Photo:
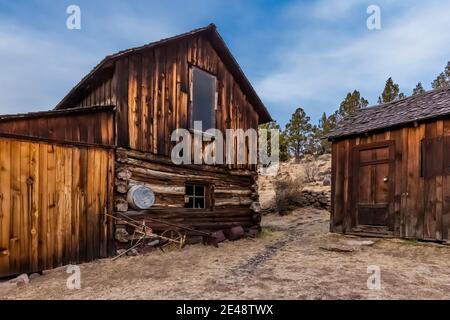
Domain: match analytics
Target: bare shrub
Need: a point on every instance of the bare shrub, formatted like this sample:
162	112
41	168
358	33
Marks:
287	192
311	171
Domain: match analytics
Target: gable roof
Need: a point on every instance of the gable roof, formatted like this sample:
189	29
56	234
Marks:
218	44
425	106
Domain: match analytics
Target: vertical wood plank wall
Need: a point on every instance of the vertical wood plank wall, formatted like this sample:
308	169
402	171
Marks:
151	90
94	126
421	204
52	204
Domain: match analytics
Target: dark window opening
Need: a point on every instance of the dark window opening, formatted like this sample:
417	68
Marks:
195	196
203	99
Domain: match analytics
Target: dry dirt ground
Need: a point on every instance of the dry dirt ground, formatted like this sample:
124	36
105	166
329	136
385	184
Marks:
287	262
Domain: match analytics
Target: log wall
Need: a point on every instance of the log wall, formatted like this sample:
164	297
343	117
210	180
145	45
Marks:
52	204
421	202
232	192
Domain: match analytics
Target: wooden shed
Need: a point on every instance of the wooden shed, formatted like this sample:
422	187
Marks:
64	171
391	169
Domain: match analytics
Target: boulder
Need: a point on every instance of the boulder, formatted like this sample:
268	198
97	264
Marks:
133	252
121	235
34	276
21	280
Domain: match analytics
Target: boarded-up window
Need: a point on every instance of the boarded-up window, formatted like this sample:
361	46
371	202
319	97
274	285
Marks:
435	157
203	97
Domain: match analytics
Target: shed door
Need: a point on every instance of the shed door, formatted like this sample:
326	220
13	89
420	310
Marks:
374	177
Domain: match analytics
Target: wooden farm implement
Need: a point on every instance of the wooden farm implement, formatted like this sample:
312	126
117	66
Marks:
172	238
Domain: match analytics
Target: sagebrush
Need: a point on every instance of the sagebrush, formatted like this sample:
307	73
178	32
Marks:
287	193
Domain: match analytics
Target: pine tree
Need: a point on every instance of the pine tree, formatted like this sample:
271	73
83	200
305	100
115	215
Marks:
443	79
284	152
313	142
440	82
297	131
283	148
352	102
326	125
391	92
418	89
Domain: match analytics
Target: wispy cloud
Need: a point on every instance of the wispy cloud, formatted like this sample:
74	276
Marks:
34	70
322	65
307	53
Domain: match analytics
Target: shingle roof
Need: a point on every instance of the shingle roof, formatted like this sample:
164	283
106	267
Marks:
431	104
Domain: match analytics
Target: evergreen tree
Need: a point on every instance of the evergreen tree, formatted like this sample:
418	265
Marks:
443	79
297	131
326	125
391	92
418	89
283	152
313	142
352	102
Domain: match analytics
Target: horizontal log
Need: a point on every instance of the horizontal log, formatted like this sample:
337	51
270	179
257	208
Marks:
243	192
125	155
170	167
233	201
180	181
185	212
164	189
201	226
166	173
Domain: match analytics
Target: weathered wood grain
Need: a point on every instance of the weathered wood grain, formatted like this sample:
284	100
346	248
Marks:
420	197
44	216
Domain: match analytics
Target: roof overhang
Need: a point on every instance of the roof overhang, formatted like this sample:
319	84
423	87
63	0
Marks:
217	42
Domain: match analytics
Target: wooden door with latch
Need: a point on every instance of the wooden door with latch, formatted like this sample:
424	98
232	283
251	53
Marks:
373	187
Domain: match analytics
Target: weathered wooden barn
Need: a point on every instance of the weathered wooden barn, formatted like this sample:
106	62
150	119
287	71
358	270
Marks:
64	172
391	169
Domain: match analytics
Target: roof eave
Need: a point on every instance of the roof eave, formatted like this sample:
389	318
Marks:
211	32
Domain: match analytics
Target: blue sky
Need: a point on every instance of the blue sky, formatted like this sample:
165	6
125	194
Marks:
295	53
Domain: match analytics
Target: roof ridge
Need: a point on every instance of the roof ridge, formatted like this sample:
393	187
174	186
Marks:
407	97
209	31
210	26
431	104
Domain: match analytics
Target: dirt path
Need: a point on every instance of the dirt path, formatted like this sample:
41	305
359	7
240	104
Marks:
287	262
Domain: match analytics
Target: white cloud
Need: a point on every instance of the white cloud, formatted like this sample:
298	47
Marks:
33	69
40	60
412	46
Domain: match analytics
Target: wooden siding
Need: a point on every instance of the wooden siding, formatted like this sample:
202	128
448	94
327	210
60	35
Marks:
154	94
52	204
421	204
151	90
101	94
232	193
94	127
